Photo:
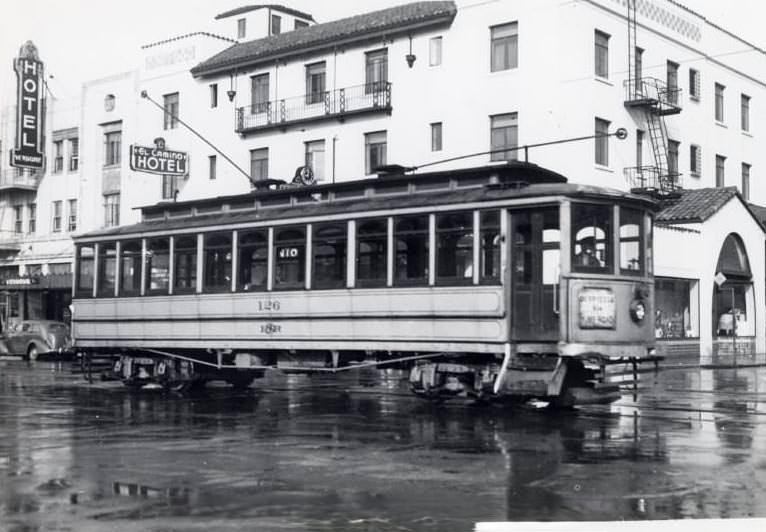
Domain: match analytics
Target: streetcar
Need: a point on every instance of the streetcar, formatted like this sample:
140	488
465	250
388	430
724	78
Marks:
495	283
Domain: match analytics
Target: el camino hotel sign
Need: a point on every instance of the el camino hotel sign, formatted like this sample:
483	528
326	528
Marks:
30	109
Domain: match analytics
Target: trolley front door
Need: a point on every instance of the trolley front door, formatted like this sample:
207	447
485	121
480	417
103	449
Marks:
535	240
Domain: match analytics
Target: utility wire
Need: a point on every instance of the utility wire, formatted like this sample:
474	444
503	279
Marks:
146	96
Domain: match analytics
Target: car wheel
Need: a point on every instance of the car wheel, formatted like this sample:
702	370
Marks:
32	352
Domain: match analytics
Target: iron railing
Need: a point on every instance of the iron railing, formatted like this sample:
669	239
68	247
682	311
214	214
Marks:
20	178
650	178
315	106
654	93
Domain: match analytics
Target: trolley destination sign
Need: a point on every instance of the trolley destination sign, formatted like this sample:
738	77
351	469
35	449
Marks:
156	160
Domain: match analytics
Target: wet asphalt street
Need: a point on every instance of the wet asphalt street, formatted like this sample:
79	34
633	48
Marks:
362	455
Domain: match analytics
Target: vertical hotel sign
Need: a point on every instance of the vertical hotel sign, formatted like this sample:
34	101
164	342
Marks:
30	109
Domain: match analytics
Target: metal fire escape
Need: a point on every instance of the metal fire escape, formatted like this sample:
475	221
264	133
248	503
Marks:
655	99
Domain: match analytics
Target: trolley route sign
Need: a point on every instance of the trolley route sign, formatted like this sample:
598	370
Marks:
157	160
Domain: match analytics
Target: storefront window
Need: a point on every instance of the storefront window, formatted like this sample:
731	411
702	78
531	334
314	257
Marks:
253	260
675	315
158	265
591	233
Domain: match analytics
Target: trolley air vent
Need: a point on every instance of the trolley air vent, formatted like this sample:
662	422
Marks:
507	185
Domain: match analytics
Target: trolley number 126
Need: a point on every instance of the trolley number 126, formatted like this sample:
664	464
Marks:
268	305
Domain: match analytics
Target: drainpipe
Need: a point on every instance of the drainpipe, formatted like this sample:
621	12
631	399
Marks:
334	139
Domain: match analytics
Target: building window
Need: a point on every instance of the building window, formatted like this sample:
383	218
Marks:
259	164
720	161
639	148
32	210
276	24
213	95
113	148
436	136
372	252
435	51
375	71
211	167
454	248
170	102
746	181
111	210
719	102
130	268
259	93
315	82
58	156
504	135
158	265
315	158
504	49
638	70
673	148
602	142
601	44
168	186
290	258
300	24
56	214
241	28
18	216
329	244
217	265
74	154
411	249
374	151
672	79
253	253
694	84
72	223
695	160
185	264
61	268
745	111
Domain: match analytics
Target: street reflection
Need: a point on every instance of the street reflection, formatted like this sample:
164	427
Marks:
337	454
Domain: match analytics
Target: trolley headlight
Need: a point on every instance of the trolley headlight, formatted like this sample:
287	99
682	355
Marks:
637	310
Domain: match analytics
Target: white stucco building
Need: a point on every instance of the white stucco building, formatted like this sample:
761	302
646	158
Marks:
274	91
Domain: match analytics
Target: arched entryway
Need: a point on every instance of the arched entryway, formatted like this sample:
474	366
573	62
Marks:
733	309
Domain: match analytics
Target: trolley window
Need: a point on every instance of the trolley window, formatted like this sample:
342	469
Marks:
253	253
185	262
130	268
631	241
489	225
158	265
372	252
217	265
107	263
591	233
290	258
454	248
329	243
411	244
84	276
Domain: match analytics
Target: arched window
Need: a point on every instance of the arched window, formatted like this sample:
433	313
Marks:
733	299
591	234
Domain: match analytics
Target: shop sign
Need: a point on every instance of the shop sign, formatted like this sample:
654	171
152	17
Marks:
30	108
719	279
19	281
158	160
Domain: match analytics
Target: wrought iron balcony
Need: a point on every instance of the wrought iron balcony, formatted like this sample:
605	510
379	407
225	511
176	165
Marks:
652	93
19	179
651	179
337	104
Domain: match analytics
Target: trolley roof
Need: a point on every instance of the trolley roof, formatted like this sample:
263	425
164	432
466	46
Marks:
393	190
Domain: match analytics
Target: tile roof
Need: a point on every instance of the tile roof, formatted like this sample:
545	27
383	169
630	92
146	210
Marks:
359	27
696	205
759	212
246	9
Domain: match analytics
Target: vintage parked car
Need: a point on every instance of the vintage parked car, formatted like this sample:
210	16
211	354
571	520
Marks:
32	338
